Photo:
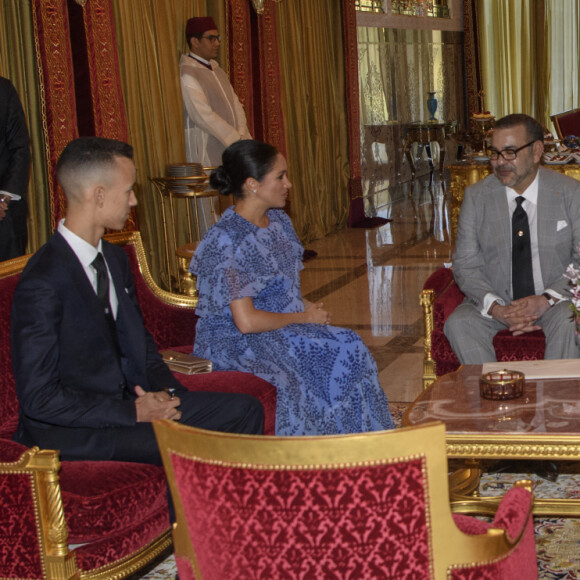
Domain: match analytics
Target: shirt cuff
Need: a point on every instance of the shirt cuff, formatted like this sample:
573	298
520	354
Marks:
556	295
488	300
12	196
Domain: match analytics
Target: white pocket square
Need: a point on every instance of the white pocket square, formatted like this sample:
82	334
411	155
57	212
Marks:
561	225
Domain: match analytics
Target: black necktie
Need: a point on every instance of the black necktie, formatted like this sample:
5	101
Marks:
103	292
522	272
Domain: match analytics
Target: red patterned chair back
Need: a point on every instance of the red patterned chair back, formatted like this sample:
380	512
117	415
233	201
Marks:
567	123
372	505
172	324
9	275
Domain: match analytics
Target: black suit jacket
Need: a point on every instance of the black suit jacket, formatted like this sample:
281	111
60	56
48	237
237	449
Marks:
14	170
69	379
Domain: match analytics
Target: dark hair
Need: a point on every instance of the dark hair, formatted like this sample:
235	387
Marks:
242	159
190	36
533	128
86	153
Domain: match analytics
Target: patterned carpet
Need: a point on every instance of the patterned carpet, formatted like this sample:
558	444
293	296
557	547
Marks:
557	539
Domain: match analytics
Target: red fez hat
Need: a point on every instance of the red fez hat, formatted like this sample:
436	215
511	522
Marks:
199	25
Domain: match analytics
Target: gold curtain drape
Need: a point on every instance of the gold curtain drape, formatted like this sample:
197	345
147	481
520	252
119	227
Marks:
529	54
509	57
562	49
150	40
18	63
313	102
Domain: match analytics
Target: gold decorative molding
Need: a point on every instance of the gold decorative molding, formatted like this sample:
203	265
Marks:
513	446
171	298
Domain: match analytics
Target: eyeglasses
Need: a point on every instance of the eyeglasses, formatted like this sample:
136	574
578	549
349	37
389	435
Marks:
213	38
508	154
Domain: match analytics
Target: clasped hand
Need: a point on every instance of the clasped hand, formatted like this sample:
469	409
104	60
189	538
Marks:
3	207
316	313
156	405
521	315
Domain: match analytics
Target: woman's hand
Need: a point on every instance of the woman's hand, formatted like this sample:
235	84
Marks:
250	320
315	313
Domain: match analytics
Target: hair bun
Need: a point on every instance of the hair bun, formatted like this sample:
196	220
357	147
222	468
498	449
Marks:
220	180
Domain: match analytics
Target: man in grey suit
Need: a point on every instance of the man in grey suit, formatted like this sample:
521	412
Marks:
482	260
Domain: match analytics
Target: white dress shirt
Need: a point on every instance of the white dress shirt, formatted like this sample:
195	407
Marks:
86	253
530	205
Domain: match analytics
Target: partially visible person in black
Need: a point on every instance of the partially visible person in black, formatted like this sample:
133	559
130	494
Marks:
14	173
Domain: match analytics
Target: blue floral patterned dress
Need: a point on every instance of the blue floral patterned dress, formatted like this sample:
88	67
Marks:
326	379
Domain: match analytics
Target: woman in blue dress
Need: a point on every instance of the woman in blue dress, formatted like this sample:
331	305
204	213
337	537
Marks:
252	316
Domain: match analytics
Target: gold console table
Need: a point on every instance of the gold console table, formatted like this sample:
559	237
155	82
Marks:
463	175
172	190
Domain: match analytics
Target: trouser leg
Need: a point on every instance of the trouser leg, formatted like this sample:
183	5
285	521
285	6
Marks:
228	412
231	413
559	328
471	334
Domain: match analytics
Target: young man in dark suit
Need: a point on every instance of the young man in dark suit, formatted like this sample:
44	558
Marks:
88	375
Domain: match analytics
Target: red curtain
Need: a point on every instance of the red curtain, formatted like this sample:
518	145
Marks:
55	72
254	69
80	84
472	68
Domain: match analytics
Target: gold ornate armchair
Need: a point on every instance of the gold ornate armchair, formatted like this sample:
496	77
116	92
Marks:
370	505
440	296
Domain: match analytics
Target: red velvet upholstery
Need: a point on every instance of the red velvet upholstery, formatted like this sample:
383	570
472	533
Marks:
234	382
8	401
106	497
117	511
567	123
19	549
511	516
360	522
169	325
446	297
364	506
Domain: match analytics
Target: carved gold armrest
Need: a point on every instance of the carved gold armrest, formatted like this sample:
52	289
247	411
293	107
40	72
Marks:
42	467
426	300
171	298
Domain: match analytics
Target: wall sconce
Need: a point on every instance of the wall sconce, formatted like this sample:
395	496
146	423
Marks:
259	5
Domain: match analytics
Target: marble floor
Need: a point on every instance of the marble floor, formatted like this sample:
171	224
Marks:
370	279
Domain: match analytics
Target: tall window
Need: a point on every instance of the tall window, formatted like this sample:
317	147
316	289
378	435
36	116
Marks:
369	5
530	59
431	8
